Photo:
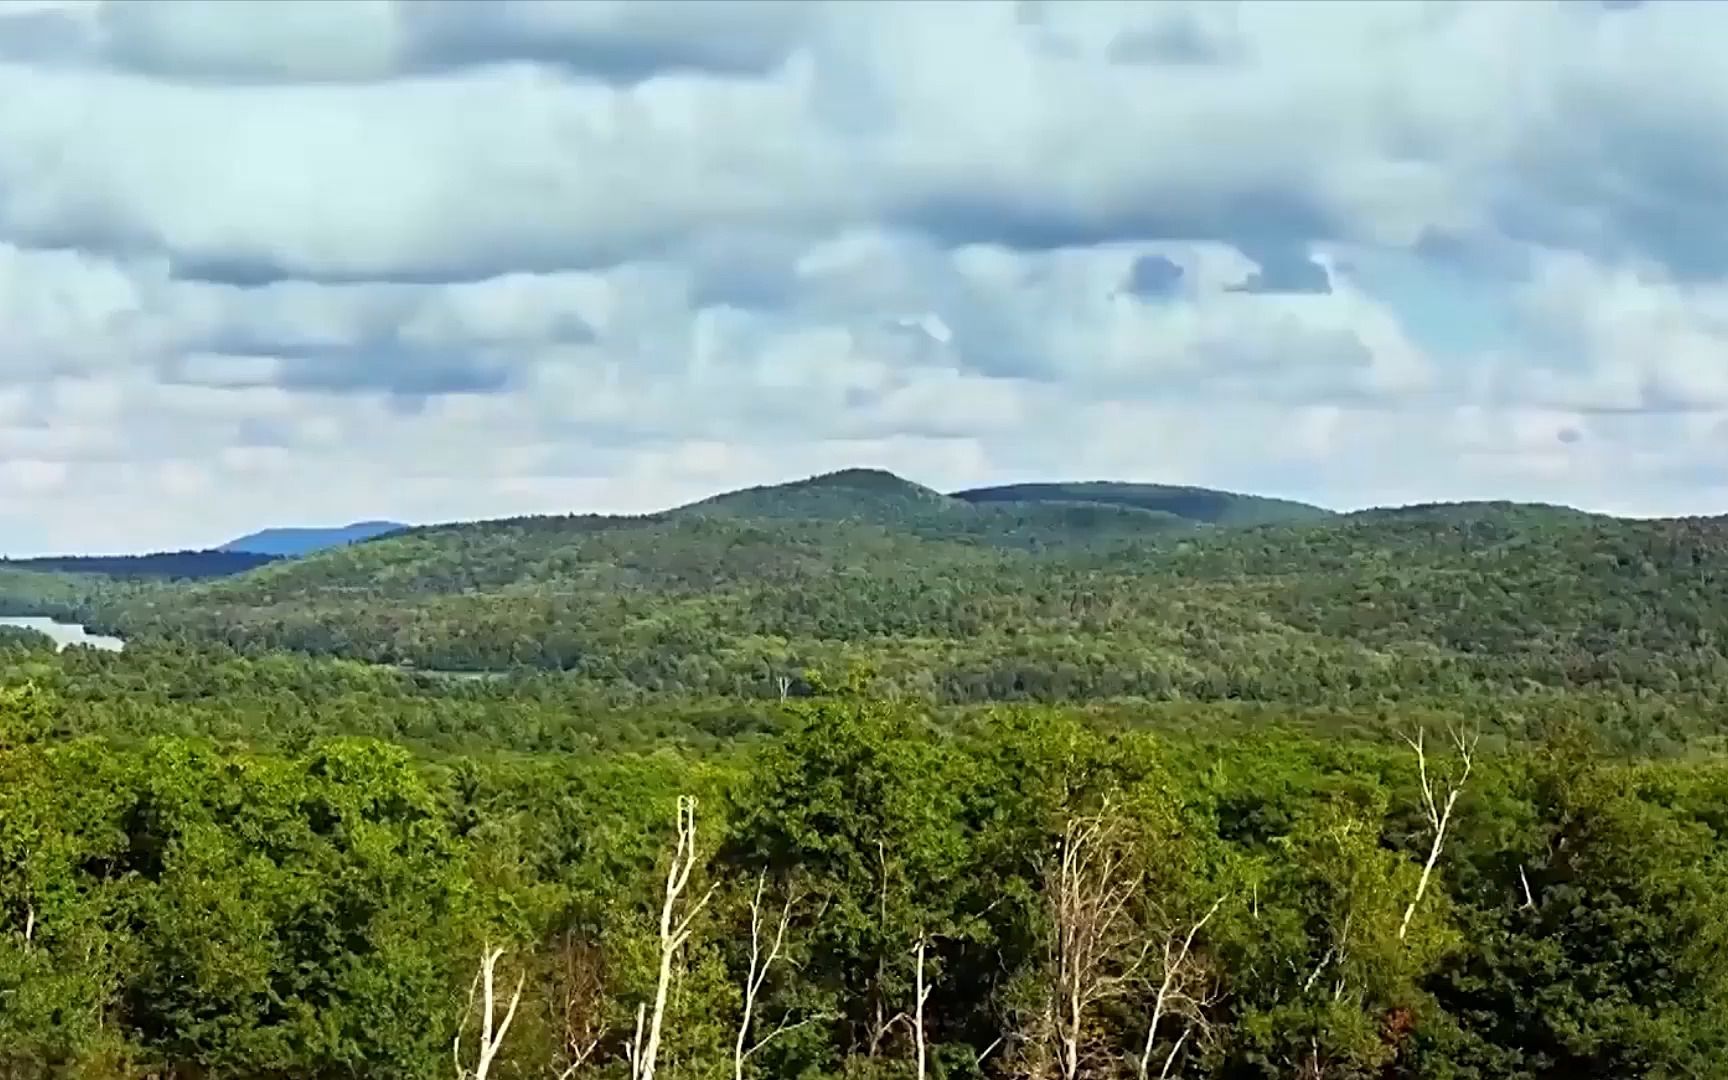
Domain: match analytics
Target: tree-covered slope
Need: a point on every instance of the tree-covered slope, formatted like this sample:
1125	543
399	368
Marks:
871	495
1195	504
1380	604
876	497
188	565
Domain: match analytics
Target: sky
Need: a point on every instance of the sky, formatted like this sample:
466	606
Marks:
265	262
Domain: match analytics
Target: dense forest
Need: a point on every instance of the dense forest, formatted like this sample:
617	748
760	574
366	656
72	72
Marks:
867	894
987	599
173	565
851	780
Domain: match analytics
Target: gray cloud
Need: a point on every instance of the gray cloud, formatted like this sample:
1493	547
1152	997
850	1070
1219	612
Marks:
40	36
526	169
622	42
1154	277
1033	223
1283	270
1180	38
384	364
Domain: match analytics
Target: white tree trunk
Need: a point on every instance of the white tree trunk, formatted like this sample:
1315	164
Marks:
923	994
1439	814
674	933
490	1039
754	979
1090	895
1171	995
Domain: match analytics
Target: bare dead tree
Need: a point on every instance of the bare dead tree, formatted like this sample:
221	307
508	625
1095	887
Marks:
1089	894
884	1023
1438	810
578	1005
784	685
922	994
1179	993
881	1028
633	1049
765	952
492	1030
676	921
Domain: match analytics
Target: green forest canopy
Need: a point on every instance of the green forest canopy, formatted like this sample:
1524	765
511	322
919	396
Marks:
1039	598
1252	907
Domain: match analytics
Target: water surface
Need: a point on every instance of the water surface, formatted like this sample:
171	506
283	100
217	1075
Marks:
65	634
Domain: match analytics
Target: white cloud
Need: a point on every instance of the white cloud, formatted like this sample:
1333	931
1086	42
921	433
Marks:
1621	339
282	262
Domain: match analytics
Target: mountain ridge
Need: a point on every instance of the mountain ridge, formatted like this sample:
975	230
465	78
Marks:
1002	599
1210	506
877	494
291	541
843	494
1050	500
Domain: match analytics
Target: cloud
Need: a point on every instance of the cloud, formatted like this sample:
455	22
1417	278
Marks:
285	41
1629	340
1153	276
296	261
1284	270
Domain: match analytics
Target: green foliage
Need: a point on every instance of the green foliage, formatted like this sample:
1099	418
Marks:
171	565
291	911
952	601
65	936
27	714
860	809
1596	894
1187	503
170	906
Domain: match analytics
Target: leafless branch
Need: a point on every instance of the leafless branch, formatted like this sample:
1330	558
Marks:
1439	812
492	1030
1171	996
1170	1058
760	964
978	1059
579	1006
675	929
1090	895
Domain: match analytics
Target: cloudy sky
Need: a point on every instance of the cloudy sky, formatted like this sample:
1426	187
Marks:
301	263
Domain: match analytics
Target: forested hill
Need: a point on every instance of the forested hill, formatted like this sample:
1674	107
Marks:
847	495
883	498
1189	503
1002	600
167	564
875	497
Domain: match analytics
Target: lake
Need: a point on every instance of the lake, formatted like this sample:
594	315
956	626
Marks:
64	634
